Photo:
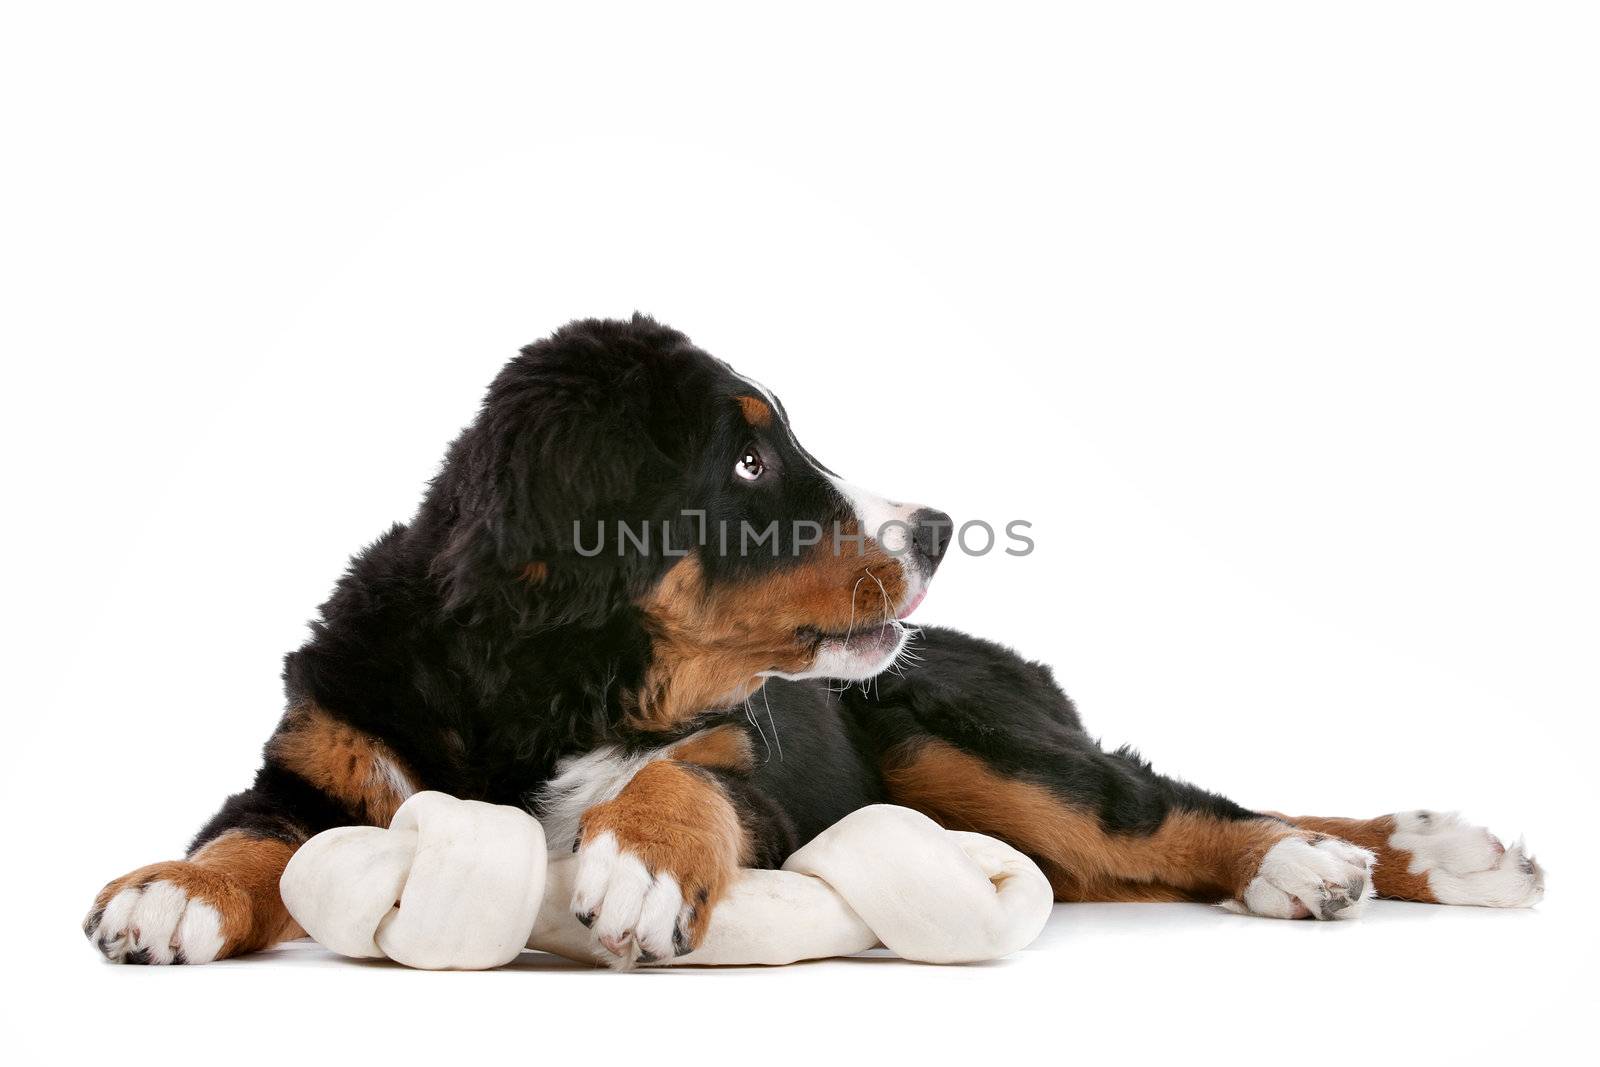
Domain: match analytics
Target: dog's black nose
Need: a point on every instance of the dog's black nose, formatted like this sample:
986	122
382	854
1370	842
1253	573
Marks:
931	532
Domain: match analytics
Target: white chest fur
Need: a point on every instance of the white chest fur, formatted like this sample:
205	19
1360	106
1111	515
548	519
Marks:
581	782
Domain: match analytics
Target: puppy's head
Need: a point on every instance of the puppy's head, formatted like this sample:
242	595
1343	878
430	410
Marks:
616	472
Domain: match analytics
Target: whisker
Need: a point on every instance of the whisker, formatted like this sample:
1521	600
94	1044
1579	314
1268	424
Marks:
907	654
774	722
852	627
750	713
881	591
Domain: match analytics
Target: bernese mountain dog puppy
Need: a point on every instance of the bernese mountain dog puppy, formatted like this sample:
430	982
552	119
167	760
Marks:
634	604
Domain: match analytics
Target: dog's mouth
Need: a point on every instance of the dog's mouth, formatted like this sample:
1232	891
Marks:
856	654
869	645
863	638
872	640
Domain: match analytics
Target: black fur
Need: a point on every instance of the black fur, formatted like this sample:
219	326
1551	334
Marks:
986	700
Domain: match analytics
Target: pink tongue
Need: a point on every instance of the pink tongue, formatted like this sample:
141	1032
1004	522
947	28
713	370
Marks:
909	608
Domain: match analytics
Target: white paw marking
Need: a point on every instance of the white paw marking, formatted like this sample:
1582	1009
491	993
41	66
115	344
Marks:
636	917
1466	864
158	923
1326	879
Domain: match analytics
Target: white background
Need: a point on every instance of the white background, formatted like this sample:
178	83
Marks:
1277	320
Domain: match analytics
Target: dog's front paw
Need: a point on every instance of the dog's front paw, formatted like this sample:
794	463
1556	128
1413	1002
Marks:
1303	876
174	912
653	863
638	914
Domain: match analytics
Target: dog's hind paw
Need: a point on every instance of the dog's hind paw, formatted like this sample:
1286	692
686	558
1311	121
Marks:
1466	864
1302	877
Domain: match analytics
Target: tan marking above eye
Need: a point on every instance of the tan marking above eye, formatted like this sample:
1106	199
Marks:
757	412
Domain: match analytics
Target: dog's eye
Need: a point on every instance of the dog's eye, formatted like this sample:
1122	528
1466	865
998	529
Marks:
749	466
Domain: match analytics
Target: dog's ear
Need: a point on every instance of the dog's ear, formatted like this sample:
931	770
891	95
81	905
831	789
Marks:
567	444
